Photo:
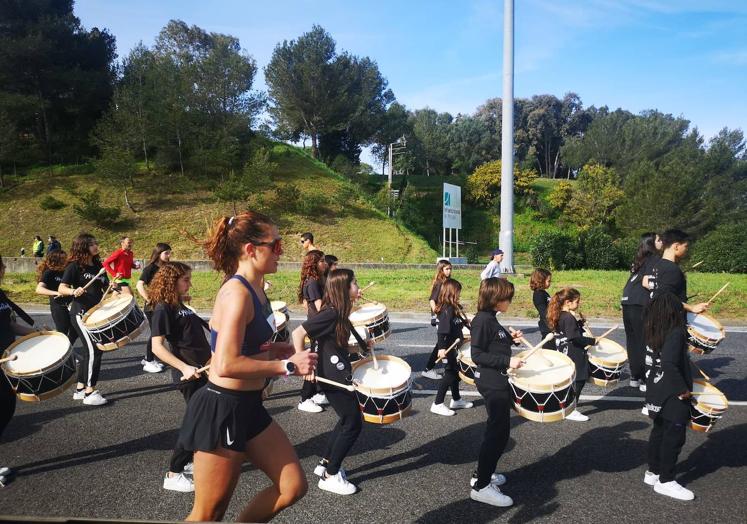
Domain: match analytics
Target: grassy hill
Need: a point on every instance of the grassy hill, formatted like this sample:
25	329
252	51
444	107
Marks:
169	208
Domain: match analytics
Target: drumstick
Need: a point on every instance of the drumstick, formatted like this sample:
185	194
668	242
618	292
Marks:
532	348
373	356
372	283
101	271
701	372
718	293
8	359
451	347
696	265
610	330
198	371
333	383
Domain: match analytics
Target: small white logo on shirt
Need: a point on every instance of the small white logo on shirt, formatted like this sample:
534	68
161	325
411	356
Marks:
228	438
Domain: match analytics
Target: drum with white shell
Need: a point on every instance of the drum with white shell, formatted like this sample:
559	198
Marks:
383	394
375	318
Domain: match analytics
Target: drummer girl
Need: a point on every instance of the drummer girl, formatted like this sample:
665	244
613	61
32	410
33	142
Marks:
443	273
310	292
226	423
491	351
331	329
159	256
567	323
451	319
82	268
48	276
668	393
539	283
187	351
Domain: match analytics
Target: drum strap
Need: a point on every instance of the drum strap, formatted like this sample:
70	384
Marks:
358	338
20	312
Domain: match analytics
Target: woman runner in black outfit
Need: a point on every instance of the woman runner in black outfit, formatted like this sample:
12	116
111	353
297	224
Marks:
49	276
567	322
539	284
188	350
491	351
83	267
160	255
226	423
443	273
331	328
668	394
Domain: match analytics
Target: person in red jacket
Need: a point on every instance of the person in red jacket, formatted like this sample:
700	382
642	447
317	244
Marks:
120	264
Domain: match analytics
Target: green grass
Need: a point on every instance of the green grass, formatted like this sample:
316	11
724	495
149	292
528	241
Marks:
408	290
170	208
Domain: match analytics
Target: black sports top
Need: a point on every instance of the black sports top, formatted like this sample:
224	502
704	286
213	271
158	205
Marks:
259	330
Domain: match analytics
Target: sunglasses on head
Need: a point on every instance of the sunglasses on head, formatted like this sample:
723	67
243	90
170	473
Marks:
276	245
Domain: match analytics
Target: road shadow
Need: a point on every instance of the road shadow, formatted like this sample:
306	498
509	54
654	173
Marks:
723	448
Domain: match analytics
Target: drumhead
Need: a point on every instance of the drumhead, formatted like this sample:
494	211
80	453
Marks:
537	375
108	309
367	312
609	351
278	305
704	326
362	332
280	320
36	352
709	395
393	373
465	353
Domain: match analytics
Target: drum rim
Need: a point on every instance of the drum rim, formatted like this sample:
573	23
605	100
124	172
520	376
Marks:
387	419
550	388
123	341
380	392
623	352
27	397
717	393
369	320
716	323
110	319
466	379
542	417
20	340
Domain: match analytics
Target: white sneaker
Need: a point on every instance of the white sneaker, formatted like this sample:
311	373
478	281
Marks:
336	484
189	468
642	387
577	416
310	406
644	411
94	399
431	373
79	394
634	383
320	399
496	479
492	495
320	470
460	404
650	478
673	489
152	367
178	483
441	409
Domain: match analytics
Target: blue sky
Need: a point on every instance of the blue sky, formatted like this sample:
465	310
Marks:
684	57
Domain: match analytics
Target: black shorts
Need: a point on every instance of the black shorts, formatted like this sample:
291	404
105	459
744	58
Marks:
220	417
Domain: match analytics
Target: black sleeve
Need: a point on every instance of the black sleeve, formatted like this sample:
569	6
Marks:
71	275
444	320
569	326
671	361
312	290
148	273
162	324
323	323
48	279
482	335
540	303
435	292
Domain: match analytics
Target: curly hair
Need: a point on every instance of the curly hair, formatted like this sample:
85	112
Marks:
79	252
310	270
663	315
539	278
567	294
54	261
163	286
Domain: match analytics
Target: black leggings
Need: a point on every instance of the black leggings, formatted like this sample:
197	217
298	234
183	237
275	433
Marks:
62	320
149	345
346	432
181	457
89	358
450	379
635	341
432	359
7	402
579	387
495	438
664	446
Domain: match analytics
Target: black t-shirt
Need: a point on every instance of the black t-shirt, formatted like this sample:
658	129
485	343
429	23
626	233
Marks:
541	298
449	323
312	291
6	334
148	273
185	332
668	374
77	276
51	279
334	361
667	276
569	339
634	294
491	351
435	292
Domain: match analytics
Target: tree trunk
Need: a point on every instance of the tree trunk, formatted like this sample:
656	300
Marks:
45	123
127	201
427	167
179	148
2	183
555	165
314	146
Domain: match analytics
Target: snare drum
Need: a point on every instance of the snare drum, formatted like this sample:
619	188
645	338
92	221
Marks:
375	318
282	307
606	361
114	322
466	366
383	395
704	333
282	333
44	367
544	393
708	405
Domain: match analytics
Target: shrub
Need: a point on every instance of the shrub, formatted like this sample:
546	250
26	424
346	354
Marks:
599	250
92	210
312	204
560	195
289	196
483	187
723	249
50	202
472	254
556	250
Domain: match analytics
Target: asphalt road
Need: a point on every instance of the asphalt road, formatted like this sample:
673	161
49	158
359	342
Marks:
108	462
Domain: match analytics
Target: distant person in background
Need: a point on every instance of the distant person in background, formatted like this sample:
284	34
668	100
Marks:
307	242
493	269
161	255
120	264
53	244
539	283
38	249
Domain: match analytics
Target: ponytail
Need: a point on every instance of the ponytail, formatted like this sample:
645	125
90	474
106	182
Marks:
229	234
554	308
